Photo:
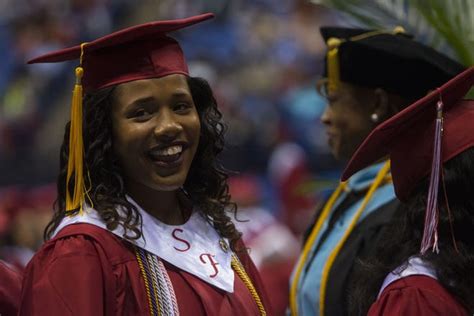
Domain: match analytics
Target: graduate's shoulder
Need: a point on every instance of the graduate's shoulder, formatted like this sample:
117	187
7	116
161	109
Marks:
71	273
416	295
83	239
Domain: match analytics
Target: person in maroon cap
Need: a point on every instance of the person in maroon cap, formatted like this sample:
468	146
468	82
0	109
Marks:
141	224
424	263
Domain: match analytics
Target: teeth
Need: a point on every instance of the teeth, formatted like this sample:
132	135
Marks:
169	151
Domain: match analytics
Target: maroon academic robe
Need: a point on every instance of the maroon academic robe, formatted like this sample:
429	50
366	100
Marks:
416	295
86	270
10	289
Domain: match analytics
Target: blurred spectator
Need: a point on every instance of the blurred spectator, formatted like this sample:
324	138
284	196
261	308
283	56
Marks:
10	289
272	246
288	170
24	214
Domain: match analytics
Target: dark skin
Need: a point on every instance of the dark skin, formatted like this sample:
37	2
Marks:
348	115
156	132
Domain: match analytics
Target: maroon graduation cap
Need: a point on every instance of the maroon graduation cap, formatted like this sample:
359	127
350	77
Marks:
140	52
419	140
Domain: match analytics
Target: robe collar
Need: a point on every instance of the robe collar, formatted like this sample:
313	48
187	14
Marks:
414	266
194	246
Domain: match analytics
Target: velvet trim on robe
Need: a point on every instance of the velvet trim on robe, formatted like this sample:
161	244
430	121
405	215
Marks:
10	289
86	270
416	296
361	243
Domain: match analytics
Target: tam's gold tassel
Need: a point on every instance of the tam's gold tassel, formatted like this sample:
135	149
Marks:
76	146
333	64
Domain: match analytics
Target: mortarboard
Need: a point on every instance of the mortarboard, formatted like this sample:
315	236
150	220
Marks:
391	60
139	52
419	139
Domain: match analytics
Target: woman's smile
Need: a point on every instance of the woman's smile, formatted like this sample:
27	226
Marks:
169	156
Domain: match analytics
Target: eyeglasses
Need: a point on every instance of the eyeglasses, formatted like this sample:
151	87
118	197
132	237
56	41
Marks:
322	87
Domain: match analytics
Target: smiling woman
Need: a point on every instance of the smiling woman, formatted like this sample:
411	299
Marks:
156	130
141	225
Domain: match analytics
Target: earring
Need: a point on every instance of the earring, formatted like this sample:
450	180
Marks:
374	117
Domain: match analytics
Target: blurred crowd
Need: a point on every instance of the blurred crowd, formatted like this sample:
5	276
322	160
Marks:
262	59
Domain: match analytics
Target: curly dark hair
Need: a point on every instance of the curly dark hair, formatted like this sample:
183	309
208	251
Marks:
206	184
403	239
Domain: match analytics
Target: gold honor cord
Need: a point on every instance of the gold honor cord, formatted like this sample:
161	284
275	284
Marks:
381	177
145	279
239	269
308	245
236	266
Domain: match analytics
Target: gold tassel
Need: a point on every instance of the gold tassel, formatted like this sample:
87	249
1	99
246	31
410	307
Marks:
333	64
76	145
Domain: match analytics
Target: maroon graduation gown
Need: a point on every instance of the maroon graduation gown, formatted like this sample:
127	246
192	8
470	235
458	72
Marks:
86	270
10	288
416	296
